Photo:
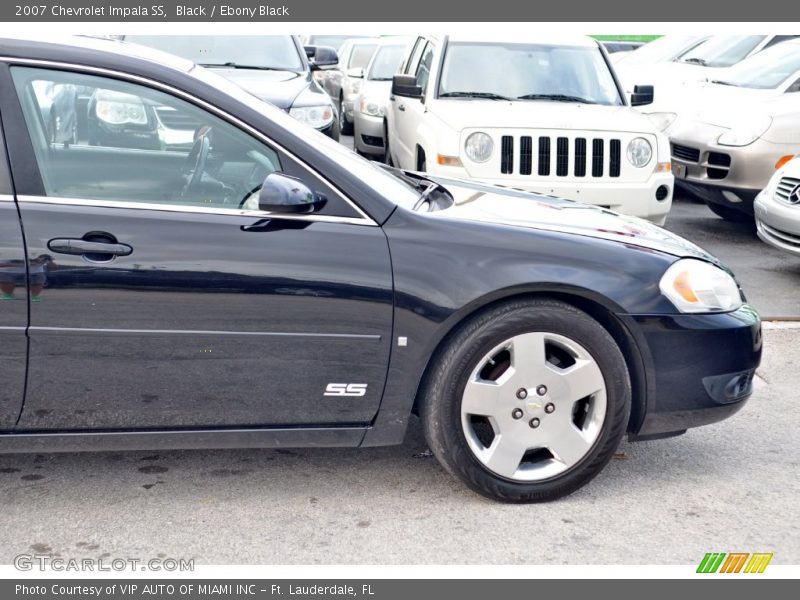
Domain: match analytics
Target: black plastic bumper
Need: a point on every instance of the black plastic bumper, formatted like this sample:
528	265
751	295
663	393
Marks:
701	368
715	195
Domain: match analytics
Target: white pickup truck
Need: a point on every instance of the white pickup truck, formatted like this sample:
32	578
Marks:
540	114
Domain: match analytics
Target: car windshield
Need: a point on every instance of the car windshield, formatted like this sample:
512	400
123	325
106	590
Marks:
527	72
722	50
766	70
243	51
359	58
386	62
664	48
334	41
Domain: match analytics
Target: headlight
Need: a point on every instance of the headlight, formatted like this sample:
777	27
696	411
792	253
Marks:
371	107
318	117
478	147
120	109
662	120
353	85
746	132
694	286
639	152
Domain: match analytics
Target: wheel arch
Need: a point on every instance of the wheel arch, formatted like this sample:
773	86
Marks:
601	311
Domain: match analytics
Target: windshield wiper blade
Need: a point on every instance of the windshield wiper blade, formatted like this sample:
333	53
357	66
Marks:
235	65
556	98
720	82
488	95
696	61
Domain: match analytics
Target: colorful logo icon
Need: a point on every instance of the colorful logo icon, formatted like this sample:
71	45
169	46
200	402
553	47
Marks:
734	562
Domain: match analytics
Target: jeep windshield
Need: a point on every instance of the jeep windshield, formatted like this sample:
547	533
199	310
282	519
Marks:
265	52
527	72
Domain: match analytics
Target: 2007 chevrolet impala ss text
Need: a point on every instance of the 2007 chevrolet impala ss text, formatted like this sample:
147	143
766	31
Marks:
262	286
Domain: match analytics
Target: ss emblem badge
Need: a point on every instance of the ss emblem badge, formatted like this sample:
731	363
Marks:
346	389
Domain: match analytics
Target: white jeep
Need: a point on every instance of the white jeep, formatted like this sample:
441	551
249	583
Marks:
545	115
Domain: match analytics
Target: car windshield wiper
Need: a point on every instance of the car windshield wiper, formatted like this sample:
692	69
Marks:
556	98
720	82
696	61
234	65
488	95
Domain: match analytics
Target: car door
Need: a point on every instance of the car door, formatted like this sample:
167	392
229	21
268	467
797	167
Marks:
409	112
13	300
166	298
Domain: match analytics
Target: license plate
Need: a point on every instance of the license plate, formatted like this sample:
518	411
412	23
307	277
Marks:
679	171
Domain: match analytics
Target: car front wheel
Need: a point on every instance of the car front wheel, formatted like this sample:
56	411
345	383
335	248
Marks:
528	401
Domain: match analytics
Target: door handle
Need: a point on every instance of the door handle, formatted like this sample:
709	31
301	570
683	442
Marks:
79	246
402	107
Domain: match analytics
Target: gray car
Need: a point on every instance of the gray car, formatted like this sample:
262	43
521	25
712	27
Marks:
343	83
369	111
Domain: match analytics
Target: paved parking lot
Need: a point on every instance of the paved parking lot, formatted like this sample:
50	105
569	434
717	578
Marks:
730	486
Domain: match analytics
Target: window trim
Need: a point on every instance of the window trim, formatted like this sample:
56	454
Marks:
363	219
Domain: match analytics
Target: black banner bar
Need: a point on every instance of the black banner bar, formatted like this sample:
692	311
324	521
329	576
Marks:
443	11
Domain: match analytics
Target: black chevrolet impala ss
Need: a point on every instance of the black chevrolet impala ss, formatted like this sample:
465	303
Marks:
269	288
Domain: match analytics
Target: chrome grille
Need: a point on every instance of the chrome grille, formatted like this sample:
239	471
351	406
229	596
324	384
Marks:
785	187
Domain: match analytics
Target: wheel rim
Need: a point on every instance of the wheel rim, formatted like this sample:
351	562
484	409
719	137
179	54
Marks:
534	406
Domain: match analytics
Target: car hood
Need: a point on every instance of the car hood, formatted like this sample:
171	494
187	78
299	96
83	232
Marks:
377	90
479	113
503	206
277	87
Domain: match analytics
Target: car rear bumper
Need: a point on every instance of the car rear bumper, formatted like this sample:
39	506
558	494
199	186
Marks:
701	368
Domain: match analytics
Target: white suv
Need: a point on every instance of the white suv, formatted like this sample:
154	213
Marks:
546	115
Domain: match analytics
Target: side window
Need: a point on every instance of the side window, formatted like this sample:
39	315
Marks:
105	139
778	39
423	72
413	61
795	87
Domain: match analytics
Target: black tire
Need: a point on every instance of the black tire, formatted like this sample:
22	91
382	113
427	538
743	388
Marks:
730	214
443	388
345	127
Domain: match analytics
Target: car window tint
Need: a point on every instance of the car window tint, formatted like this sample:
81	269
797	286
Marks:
100	138
424	70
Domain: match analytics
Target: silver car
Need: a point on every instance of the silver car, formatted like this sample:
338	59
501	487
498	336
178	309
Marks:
777	209
343	83
742	128
369	111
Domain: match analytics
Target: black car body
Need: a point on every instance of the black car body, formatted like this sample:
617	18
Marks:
194	319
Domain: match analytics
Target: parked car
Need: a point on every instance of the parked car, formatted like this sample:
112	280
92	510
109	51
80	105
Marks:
313	298
727	151
543	114
332	41
273	67
631	66
58	103
344	82
764	75
369	113
777	209
705	62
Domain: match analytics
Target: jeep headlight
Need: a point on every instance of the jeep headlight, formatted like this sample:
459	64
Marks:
479	147
318	117
745	132
695	286
373	108
639	152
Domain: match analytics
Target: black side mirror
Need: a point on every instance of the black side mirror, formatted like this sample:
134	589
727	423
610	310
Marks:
642	94
321	57
288	195
406	85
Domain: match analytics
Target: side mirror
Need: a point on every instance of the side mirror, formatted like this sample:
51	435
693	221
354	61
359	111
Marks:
321	57
288	195
642	94
356	73
406	85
